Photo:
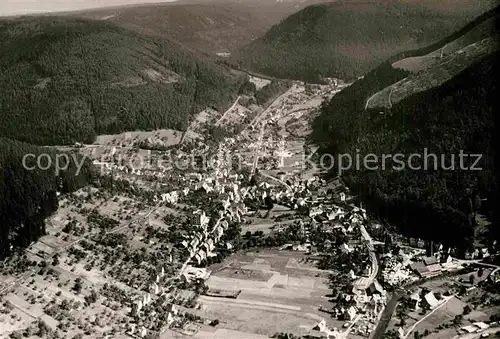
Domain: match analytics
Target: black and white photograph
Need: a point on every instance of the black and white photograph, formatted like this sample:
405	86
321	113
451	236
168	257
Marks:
249	169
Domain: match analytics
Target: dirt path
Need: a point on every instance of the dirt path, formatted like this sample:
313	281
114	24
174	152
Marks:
228	110
426	316
368	101
278	99
390	95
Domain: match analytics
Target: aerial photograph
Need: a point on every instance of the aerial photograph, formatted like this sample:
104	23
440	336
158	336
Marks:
249	169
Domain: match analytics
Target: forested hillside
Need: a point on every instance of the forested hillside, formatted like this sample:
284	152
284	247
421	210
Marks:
28	197
447	119
64	80
205	26
345	39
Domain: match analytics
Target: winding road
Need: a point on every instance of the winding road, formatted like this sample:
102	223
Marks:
389	99
386	316
364	283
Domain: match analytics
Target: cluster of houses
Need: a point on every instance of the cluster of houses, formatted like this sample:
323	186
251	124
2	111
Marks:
142	331
321	330
419	299
201	244
367	297
360	306
154	289
396	269
432	265
477	253
146	306
413	263
476	327
363	302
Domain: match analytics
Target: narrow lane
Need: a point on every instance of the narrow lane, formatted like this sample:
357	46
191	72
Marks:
389	309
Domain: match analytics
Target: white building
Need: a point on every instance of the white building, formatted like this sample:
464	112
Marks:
154	289
344	248
350	314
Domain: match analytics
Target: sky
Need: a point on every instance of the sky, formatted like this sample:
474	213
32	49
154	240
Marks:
16	7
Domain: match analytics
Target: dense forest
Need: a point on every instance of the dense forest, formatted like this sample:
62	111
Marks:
432	204
28	197
345	39
65	80
469	27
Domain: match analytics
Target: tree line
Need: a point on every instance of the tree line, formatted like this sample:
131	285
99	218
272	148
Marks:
28	197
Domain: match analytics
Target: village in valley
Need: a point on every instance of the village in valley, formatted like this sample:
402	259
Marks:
225	231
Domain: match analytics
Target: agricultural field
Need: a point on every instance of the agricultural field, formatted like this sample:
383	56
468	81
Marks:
273	284
163	137
431	71
88	269
417	64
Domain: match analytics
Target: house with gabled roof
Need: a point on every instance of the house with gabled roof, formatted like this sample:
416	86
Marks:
203	254
430	300
344	248
198	258
171	308
430	260
137	307
376	288
219	231
194	242
131	328
200	236
315	211
415	300
350	313
209	245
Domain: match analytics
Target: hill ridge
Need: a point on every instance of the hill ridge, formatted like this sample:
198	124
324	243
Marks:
346	40
87	77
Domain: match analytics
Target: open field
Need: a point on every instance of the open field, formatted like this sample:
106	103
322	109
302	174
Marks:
258	224
287	300
164	137
243	274
436	72
73	265
416	64
258	82
212	333
224	333
444	315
